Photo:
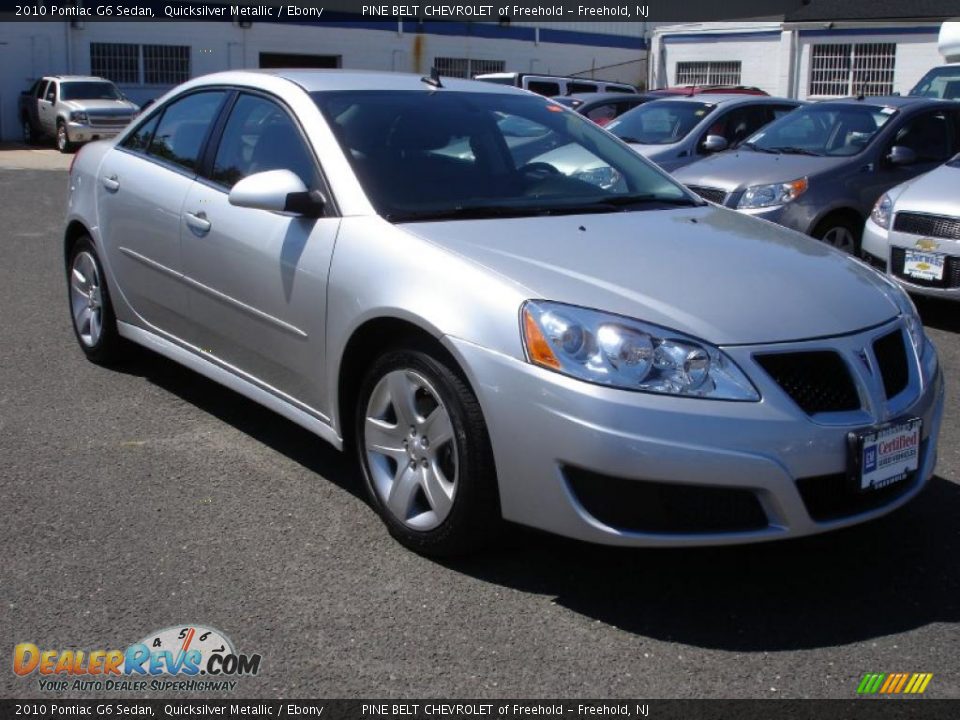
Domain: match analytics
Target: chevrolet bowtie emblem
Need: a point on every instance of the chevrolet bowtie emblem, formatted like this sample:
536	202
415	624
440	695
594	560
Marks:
927	244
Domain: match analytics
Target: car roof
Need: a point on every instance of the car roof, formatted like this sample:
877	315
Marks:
331	80
726	99
896	101
69	78
602	96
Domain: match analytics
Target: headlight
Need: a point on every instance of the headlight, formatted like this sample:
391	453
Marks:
79	116
882	211
624	353
602	177
760	196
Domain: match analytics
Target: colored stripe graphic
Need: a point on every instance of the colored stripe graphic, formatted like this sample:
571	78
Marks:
894	683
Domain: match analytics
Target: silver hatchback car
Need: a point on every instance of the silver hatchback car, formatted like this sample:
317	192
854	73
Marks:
370	256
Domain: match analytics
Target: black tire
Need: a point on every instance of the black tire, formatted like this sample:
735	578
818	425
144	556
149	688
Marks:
63	139
843	223
109	347
474	517
30	136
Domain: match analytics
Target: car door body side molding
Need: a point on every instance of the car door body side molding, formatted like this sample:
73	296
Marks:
259	314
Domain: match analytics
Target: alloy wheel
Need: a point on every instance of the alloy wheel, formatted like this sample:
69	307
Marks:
841	238
411	452
86	299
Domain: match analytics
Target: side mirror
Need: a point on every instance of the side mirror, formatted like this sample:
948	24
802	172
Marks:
279	191
901	155
714	143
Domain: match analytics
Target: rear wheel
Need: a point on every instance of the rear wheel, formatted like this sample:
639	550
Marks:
91	310
29	136
840	231
425	454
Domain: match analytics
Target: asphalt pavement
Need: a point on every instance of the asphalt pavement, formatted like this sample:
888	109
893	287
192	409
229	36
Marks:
146	497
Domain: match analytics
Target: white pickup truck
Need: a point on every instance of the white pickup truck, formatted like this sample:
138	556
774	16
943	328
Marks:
943	81
73	109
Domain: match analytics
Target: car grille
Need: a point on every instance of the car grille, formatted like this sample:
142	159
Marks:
714	195
656	507
109	121
951	271
891	354
929	225
830	497
817	381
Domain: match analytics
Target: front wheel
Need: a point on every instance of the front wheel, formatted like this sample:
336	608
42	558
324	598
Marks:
840	232
91	310
425	454
63	139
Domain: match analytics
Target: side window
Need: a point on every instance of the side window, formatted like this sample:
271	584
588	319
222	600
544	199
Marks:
261	136
928	135
51	95
39	88
602	114
739	124
576	88
183	126
139	139
778	111
542	87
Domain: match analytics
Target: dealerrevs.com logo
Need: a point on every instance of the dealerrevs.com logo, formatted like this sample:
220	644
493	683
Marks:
187	657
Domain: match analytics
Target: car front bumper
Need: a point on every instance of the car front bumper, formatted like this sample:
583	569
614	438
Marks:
551	435
82	132
878	244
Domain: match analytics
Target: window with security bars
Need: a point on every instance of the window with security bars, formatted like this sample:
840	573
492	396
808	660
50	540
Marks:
119	62
132	64
166	64
466	67
838	69
725	72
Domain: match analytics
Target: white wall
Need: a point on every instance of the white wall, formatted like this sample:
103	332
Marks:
30	50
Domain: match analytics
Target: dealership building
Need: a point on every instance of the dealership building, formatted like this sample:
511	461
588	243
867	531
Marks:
147	58
824	49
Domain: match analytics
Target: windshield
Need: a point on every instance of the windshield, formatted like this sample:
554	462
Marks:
435	155
941	82
660	122
828	129
89	91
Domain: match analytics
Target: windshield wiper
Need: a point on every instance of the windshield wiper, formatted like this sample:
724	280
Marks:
478	212
647	199
797	151
772	151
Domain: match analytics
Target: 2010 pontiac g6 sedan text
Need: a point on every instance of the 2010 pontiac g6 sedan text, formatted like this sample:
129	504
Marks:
389	261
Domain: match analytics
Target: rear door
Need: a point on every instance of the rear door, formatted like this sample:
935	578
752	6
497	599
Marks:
257	279
141	188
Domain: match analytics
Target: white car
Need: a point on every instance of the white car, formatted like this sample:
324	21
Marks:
913	233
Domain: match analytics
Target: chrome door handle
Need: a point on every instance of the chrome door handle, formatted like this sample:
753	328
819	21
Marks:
111	183
198	221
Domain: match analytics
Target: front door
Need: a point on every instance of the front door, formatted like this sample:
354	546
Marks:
256	280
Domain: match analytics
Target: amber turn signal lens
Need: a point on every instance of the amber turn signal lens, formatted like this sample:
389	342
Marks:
538	349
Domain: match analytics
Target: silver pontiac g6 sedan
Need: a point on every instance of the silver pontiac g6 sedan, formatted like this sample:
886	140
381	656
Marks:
393	263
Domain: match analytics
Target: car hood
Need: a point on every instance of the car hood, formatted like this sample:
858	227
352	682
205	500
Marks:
118	107
740	169
935	193
709	272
